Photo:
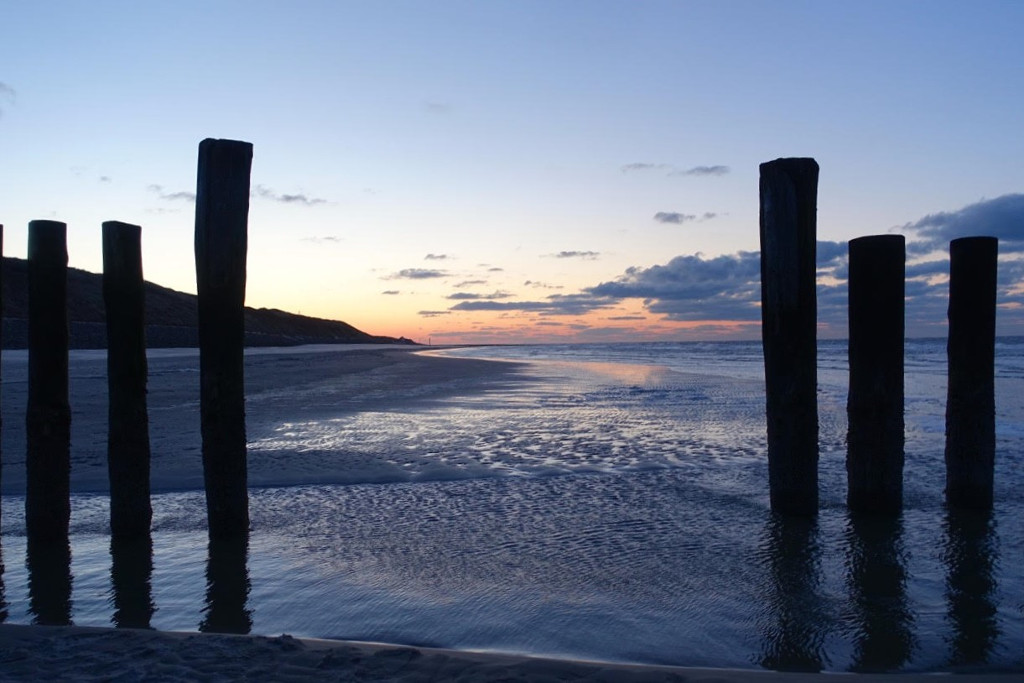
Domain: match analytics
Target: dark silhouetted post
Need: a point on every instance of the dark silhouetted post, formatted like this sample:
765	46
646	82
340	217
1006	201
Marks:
1	318
874	459
970	398
48	416
222	214
789	189
128	425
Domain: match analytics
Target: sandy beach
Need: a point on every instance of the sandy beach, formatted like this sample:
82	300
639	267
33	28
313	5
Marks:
323	384
91	654
328	381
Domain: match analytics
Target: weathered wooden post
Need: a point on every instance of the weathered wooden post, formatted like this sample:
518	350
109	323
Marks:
789	189
222	213
970	397
128	424
1	319
874	458
48	415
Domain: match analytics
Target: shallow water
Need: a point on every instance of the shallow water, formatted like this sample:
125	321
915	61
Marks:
615	507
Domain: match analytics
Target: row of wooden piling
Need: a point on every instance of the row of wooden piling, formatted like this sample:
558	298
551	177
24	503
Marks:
875	405
222	207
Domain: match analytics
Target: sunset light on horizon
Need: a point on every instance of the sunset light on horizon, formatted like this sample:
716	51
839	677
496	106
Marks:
506	172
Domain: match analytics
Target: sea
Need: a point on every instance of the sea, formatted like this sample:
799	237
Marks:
612	505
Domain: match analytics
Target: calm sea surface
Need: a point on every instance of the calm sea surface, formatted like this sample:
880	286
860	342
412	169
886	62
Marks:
613	507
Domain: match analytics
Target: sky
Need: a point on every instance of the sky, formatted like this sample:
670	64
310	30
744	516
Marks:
522	171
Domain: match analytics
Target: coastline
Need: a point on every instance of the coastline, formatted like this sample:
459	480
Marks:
332	380
32	652
381	384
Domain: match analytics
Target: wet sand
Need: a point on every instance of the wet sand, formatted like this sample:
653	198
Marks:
375	378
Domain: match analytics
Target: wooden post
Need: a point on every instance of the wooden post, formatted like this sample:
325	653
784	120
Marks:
874	458
789	189
970	398
1	322
128	424
48	416
222	212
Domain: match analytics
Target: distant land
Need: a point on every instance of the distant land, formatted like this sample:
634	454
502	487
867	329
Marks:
171	317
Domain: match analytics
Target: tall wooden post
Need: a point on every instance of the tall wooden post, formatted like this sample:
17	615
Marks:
48	416
128	424
874	459
789	189
222	213
1	319
970	398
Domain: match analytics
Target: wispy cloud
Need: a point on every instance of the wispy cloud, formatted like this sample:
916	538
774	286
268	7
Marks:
433	314
540	285
181	196
437	107
586	255
323	239
674	217
416	274
702	171
470	283
556	304
391	292
437	257
674	171
300	199
472	296
644	166
7	96
106	179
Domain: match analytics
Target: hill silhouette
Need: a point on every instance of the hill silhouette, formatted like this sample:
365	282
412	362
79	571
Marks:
171	317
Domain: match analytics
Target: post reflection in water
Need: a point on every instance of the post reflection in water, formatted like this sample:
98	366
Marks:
131	575
227	586
971	554
876	575
3	598
795	621
49	581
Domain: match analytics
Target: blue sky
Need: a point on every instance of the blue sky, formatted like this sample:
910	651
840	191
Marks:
517	171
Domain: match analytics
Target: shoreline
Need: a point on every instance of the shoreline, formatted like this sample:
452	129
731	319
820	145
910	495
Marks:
333	381
31	652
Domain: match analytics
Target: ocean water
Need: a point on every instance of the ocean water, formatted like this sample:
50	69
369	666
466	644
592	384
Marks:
612	505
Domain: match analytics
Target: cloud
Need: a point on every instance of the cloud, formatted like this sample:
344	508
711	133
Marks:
495	269
391	292
433	314
1002	217
556	304
437	107
587	255
702	171
172	196
541	285
625	317
417	274
674	217
105	179
324	239
470	283
672	171
7	94
471	296
693	288
267	193
642	166
437	257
